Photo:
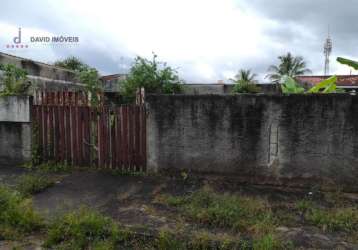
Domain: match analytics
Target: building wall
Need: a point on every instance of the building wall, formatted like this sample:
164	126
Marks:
295	140
15	130
38	69
205	89
218	89
42	76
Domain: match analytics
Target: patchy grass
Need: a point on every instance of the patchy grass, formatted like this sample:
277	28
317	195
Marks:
251	216
225	211
335	219
208	240
30	184
270	242
201	240
49	167
342	217
16	215
85	229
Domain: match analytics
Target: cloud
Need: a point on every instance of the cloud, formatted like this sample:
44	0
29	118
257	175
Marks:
205	40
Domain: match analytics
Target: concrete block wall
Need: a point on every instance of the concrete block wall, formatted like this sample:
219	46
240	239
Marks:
296	140
15	130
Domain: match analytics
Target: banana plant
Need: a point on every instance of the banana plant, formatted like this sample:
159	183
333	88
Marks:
290	86
329	86
351	63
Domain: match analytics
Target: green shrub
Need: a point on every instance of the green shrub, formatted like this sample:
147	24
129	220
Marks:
16	215
15	80
85	229
246	87
29	184
153	76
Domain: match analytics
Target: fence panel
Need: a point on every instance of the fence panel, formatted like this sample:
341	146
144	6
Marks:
70	131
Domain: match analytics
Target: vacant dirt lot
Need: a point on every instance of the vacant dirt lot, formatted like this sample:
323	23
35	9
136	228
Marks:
205	207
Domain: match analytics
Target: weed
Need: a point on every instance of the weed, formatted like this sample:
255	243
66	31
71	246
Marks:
85	229
166	240
205	240
202	240
53	167
32	183
16	215
268	242
36	149
332	219
226	211
175	201
304	205
336	219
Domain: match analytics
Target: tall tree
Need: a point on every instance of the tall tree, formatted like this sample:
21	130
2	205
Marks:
289	66
245	82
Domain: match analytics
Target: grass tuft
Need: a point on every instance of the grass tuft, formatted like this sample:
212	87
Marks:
335	219
85	229
16	215
269	242
167	240
30	184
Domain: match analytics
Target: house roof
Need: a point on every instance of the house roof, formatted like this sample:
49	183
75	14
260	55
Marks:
342	80
113	77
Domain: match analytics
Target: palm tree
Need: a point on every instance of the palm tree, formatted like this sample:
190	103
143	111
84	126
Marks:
289	66
245	82
245	76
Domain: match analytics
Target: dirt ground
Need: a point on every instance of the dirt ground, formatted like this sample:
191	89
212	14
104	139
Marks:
131	200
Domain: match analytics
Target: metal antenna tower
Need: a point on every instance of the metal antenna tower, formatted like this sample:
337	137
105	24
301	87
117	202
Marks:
327	53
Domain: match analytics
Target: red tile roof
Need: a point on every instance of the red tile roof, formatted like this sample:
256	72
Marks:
343	80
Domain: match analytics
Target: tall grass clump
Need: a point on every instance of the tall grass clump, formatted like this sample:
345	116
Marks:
85	229
17	216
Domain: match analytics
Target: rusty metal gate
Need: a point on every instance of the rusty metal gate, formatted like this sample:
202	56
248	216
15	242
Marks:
68	130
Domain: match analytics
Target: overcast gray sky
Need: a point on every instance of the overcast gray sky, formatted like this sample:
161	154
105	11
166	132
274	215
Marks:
206	40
